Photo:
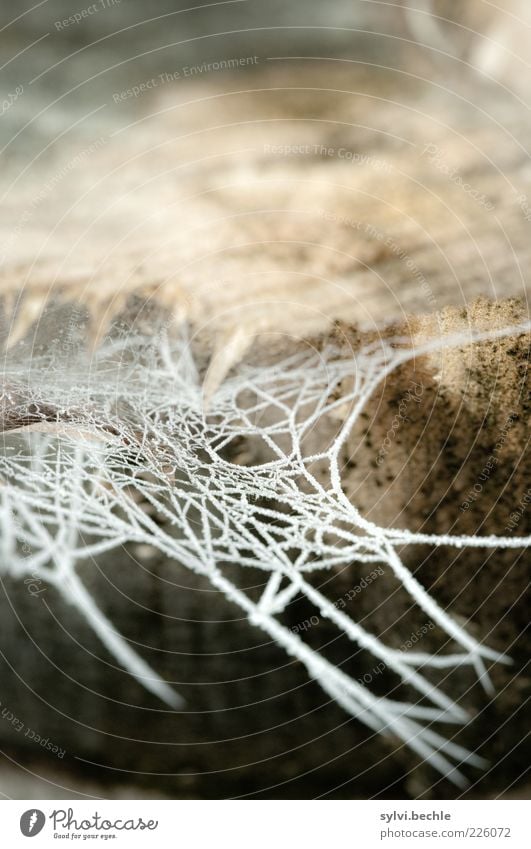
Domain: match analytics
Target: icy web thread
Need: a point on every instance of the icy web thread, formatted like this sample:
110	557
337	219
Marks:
99	446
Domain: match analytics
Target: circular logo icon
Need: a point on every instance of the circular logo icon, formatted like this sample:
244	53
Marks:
31	822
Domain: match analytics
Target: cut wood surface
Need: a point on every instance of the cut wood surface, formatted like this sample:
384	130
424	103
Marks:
278	206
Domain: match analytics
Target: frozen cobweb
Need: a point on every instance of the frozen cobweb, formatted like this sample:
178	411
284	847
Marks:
84	453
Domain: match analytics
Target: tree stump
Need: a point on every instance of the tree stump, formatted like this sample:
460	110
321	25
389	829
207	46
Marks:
289	206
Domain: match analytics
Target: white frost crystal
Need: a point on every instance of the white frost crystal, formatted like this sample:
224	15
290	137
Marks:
85	452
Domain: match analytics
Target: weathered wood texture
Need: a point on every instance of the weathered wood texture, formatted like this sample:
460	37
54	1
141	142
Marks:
281	204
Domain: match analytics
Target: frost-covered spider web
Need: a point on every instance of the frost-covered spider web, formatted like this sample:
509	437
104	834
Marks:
86	451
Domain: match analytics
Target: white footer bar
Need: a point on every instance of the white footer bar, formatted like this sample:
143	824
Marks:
266	824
